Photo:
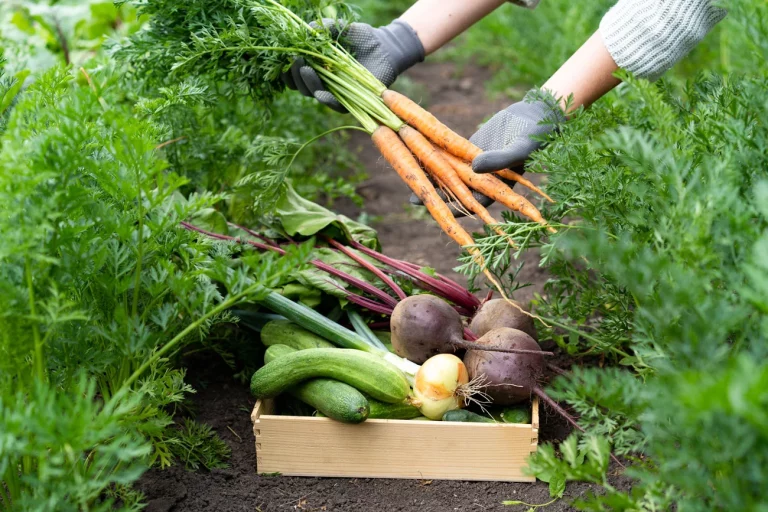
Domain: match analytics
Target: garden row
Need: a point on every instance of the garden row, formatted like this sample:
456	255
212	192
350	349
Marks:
118	179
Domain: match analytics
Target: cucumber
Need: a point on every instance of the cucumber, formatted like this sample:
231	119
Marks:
332	398
285	332
366	372
401	411
515	415
275	351
466	416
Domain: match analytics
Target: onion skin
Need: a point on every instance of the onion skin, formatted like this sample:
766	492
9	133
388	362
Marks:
509	378
436	383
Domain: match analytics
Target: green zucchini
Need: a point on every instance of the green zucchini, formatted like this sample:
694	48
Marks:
466	416
332	398
366	372
515	415
384	411
285	332
276	351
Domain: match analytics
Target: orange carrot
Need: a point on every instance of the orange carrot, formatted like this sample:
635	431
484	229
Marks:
402	161
513	176
410	112
496	189
448	196
441	170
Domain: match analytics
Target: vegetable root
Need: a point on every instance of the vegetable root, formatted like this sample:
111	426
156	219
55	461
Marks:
497	190
396	153
402	161
424	326
413	114
567	417
513	176
442	170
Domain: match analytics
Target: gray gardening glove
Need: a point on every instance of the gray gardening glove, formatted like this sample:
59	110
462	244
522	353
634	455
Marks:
506	138
385	51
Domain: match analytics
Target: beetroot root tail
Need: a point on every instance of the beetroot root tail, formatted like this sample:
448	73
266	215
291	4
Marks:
474	346
562	412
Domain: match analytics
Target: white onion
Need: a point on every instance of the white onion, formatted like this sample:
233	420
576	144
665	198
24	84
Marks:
438	385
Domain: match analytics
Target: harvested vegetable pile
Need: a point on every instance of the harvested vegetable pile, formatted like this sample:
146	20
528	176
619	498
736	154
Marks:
332	361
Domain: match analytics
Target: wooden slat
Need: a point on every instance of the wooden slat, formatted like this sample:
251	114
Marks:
306	446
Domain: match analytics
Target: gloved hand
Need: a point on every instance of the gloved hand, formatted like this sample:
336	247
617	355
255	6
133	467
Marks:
506	139
385	51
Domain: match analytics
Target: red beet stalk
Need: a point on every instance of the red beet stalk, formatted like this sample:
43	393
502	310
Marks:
369	266
358	283
448	290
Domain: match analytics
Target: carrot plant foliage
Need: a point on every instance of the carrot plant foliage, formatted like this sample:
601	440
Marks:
662	270
659	269
98	288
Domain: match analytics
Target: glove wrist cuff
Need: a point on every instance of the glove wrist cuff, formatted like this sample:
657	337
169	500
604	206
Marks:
402	44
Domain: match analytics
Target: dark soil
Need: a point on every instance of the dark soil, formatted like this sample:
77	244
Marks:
225	405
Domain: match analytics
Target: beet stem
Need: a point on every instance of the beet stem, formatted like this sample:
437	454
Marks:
254	234
474	346
358	283
469	335
562	412
440	277
375	270
376	307
446	289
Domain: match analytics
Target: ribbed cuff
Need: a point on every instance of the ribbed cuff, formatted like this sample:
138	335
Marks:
647	37
403	45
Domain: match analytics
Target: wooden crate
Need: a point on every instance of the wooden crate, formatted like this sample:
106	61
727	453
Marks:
308	446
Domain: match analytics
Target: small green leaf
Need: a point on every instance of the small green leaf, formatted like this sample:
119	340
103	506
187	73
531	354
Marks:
302	217
557	486
211	220
13	90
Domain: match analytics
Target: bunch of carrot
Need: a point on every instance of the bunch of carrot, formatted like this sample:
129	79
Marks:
445	155
413	141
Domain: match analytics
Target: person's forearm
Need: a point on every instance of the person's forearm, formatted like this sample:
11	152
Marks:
587	75
438	21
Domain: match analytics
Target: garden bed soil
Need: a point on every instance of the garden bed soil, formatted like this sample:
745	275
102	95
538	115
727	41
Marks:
225	405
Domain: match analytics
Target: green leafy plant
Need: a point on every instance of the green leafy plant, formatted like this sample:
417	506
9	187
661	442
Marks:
196	445
661	277
100	288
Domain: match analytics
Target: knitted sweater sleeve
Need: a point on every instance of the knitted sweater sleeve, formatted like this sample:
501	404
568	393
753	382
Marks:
647	37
